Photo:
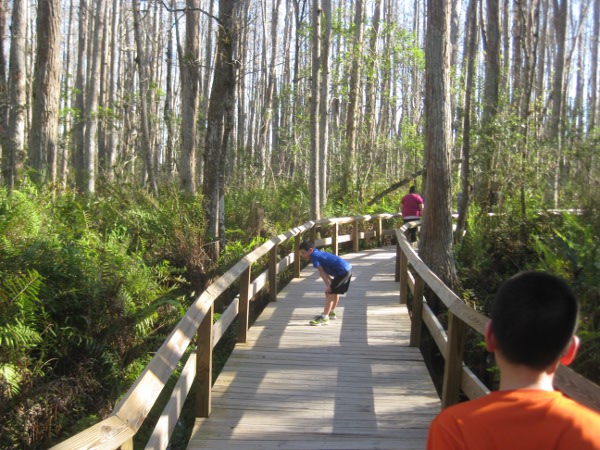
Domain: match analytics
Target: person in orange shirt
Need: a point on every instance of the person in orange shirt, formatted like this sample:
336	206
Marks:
531	332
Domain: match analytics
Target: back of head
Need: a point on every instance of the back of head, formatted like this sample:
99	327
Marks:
306	245
534	316
412	190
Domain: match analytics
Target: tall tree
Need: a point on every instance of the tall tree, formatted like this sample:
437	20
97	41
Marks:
189	96
219	126
472	36
90	151
326	23
315	100
594	106
14	144
79	103
561	9
349	177
435	246
491	95
43	139
144	86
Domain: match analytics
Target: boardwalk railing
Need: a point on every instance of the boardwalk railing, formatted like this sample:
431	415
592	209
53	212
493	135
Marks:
119	428
414	276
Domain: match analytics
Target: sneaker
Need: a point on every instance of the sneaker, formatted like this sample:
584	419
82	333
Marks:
332	315
319	321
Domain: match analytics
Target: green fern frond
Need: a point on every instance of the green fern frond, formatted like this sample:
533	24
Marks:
19	336
10	380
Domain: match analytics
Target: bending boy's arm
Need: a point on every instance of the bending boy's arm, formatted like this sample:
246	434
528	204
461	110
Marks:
324	276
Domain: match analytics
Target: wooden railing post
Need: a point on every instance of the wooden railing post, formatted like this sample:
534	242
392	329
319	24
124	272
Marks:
397	268
204	365
379	232
244	306
297	240
273	274
355	237
403	275
453	365
417	313
334	238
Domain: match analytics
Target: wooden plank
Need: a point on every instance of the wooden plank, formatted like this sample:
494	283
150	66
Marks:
354	383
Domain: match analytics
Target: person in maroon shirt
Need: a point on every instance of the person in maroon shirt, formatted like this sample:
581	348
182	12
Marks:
412	208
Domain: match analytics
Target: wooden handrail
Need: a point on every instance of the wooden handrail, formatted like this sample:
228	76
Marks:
118	429
414	273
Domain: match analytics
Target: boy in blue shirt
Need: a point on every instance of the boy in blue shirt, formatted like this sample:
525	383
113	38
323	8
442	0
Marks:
335	273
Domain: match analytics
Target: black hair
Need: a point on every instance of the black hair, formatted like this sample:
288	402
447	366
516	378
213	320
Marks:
412	190
306	245
534	317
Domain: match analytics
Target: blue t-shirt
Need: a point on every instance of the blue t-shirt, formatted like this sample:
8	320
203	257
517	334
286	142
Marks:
332	264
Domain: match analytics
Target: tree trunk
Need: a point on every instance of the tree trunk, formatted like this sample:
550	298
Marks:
43	140
465	174
144	87
555	133
315	92
324	101
113	137
349	171
435	245
490	100
90	152
14	145
594	107
79	104
189	94
219	120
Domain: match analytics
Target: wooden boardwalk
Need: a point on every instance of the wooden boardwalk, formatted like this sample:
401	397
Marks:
352	384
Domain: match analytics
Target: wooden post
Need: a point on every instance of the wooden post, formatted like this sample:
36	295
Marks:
204	365
244	306
273	274
403	275
397	268
128	445
379	232
297	257
453	365
417	313
334	238
355	237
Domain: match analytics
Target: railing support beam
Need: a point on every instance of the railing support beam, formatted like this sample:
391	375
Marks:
454	357
417	312
273	274
244	306
204	365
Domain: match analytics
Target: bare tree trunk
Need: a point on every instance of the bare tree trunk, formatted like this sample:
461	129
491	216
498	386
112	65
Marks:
79	104
220	116
324	101
315	168
144	86
555	133
14	145
168	108
43	140
465	174
435	245
349	171
113	137
189	94
594	107
490	98
90	152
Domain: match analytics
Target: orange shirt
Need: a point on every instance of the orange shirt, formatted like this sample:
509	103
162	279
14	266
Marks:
516	420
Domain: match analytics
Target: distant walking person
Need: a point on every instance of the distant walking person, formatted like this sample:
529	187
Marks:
534	316
412	208
336	274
